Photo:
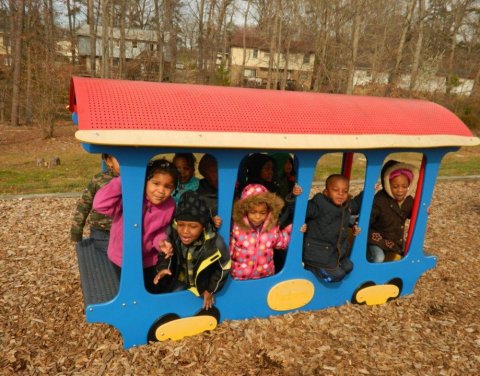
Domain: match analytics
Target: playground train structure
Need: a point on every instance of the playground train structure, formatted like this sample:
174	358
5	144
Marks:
136	121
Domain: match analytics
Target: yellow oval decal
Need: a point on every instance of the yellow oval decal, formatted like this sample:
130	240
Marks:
377	294
185	327
291	294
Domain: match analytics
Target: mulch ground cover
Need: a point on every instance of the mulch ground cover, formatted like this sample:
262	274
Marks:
435	331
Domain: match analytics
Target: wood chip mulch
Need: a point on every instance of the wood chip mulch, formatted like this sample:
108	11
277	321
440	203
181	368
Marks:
435	331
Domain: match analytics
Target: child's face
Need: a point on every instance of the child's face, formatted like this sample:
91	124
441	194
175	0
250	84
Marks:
266	173
288	167
337	191
159	187
189	231
399	187
113	165
184	170
211	174
257	214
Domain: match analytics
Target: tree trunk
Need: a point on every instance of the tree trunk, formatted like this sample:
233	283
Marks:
93	38
122	58
71	30
419	45
273	38
355	40
17	64
159	41
201	37
170	6
459	13
401	45
244	45
105	41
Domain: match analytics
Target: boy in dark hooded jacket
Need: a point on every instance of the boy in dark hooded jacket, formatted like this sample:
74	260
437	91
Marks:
325	245
201	260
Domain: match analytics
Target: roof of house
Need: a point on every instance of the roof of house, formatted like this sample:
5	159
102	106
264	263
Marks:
254	40
144	35
118	112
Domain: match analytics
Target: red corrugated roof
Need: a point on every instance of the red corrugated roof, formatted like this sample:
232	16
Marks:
124	105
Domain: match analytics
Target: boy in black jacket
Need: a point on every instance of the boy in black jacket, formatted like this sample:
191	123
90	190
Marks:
201	260
325	251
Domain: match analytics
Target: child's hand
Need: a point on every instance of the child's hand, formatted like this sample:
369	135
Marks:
208	300
356	230
378	186
297	190
303	228
217	221
166	248
160	275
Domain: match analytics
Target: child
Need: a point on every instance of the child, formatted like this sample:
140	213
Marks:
256	233
200	261
391	207
325	250
158	209
99	223
208	186
185	164
285	173
258	168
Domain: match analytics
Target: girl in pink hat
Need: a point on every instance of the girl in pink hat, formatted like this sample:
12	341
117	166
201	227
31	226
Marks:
392	206
255	233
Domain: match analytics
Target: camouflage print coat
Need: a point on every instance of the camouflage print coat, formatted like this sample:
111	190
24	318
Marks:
84	208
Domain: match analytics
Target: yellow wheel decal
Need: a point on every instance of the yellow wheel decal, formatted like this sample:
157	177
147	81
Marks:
291	294
185	327
377	294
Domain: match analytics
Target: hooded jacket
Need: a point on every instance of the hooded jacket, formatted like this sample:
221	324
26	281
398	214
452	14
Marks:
211	262
325	241
252	249
388	217
156	219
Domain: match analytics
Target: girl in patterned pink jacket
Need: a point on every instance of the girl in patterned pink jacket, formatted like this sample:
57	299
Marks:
255	233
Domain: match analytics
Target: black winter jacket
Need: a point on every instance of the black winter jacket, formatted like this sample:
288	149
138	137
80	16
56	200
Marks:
325	241
211	268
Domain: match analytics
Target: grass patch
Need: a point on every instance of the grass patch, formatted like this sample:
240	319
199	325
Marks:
19	173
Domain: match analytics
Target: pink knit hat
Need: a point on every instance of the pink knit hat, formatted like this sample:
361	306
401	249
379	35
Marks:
401	171
252	190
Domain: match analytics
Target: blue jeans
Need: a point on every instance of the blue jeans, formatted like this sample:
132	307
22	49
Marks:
375	253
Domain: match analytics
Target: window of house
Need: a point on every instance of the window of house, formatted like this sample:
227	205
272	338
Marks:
255	53
266	55
306	58
249	73
134	44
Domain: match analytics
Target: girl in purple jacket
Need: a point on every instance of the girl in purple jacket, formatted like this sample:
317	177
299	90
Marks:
158	211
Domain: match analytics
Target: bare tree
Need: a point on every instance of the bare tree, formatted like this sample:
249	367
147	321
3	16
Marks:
419	44
355	40
93	37
244	44
401	45
105	39
71	28
17	64
159	28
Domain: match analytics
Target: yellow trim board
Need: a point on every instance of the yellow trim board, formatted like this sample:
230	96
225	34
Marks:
291	294
378	294
273	141
185	327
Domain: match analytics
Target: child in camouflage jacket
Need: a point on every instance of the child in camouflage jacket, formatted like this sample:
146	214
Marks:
99	223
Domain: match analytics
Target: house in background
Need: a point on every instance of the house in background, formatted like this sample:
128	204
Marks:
294	66
138	44
5	57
